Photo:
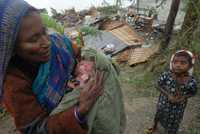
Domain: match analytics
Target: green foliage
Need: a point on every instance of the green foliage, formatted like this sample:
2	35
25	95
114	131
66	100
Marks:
118	3
88	30
194	131
160	3
52	23
108	10
43	10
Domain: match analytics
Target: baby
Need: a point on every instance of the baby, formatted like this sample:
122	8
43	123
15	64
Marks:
83	72
111	101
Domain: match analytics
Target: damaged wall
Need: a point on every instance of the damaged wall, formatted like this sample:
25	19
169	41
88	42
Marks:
164	10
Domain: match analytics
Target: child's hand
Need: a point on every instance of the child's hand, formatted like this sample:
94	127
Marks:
172	99
176	99
181	99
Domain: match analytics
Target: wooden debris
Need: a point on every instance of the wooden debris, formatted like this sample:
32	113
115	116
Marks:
145	23
110	25
140	55
126	34
124	56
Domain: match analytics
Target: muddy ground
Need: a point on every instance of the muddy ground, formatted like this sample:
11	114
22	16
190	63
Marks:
140	109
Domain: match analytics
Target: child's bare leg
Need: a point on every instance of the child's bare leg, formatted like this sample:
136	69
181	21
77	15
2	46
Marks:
155	122
152	129
155	125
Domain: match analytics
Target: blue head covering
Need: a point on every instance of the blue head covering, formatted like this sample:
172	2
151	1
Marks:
50	84
11	14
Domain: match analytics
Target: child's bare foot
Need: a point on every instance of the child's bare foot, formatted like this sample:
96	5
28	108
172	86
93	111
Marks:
150	130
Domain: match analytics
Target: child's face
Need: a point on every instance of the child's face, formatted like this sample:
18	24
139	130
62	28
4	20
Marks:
180	64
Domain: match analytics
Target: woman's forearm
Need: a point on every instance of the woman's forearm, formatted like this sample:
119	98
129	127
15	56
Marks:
64	123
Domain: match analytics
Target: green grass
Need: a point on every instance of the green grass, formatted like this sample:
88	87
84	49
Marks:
194	131
140	80
194	128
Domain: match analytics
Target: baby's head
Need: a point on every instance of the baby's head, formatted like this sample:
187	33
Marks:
182	62
84	69
84	66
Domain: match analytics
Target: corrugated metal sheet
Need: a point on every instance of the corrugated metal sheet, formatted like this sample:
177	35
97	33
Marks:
99	42
140	55
126	34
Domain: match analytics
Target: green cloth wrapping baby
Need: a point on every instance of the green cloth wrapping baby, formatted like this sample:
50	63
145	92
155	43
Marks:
107	115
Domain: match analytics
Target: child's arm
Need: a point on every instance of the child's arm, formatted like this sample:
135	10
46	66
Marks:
161	84
191	88
163	91
182	98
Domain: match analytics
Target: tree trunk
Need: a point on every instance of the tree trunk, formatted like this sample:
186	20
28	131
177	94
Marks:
191	20
170	21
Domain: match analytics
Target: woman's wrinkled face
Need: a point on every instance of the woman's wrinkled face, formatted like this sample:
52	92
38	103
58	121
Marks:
33	42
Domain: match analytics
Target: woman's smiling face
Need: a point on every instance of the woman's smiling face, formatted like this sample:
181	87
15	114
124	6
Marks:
33	43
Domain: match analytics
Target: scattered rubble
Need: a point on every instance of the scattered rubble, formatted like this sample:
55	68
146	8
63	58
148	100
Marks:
122	35
68	18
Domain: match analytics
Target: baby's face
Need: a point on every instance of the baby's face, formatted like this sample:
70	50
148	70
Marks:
84	71
84	67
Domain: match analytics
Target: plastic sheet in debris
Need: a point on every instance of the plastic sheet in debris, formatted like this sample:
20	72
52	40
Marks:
104	39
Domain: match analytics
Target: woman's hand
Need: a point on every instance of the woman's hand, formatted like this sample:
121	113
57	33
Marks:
89	94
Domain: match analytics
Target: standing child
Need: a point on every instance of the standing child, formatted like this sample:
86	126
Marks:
176	86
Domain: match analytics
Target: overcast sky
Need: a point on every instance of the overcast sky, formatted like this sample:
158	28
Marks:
65	4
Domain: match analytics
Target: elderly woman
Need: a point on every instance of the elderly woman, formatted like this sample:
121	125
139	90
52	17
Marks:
34	70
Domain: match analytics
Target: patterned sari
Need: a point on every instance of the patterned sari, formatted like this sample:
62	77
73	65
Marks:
50	83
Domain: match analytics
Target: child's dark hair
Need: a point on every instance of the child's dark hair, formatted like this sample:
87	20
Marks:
186	55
